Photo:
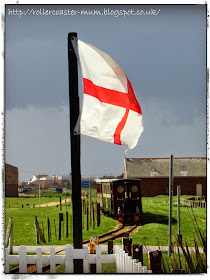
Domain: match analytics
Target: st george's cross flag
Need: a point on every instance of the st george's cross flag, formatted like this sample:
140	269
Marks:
110	111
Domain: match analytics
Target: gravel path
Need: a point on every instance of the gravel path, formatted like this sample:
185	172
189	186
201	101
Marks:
53	203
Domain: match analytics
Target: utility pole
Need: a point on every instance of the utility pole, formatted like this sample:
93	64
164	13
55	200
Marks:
75	151
178	213
39	195
178	208
170	202
90	199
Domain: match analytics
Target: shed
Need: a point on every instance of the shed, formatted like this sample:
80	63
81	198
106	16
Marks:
190	173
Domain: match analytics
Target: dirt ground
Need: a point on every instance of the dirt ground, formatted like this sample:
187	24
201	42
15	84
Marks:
53	203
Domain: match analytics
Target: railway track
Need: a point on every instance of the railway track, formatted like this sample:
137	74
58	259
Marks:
112	235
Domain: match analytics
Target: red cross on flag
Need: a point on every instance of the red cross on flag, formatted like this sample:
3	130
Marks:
110	110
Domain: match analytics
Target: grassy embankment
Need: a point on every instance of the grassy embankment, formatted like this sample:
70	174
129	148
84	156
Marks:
23	220
153	228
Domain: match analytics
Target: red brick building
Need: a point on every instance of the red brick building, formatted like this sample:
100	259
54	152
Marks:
11	180
189	173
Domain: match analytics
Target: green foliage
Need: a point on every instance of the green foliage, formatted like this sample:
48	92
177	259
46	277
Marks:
184	258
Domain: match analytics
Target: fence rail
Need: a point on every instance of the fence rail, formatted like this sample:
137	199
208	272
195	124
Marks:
124	263
194	203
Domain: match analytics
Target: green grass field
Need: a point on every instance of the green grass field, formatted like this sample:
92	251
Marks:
154	221
153	228
23	221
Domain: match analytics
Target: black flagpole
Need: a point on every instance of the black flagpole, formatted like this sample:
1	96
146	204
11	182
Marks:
75	151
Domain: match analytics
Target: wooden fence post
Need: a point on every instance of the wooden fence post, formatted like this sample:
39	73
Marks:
39	260
9	236
110	247
60	204
48	229
67	224
69	265
6	265
93	216
83	216
85	207
98	215
23	259
43	227
36	230
126	242
55	229
52	260
137	252
60	219
87	217
71	223
63	226
85	261
98	259
155	258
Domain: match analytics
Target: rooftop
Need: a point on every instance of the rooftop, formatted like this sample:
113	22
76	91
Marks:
159	167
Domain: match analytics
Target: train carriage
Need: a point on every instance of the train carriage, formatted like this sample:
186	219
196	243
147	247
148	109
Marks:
120	199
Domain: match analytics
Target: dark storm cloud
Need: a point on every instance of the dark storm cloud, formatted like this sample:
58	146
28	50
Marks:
35	73
164	56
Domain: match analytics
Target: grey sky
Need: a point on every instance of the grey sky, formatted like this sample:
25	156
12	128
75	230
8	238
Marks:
164	57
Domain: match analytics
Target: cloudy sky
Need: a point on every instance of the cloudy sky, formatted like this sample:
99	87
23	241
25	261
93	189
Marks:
163	55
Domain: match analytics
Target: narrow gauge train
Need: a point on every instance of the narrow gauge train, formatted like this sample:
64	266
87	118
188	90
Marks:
120	199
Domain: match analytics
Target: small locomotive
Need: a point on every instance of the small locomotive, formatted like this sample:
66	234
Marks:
120	199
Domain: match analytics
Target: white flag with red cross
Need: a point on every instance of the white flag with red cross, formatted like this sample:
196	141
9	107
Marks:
110	110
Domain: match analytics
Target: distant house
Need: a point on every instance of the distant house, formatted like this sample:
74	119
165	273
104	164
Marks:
38	177
11	180
190	173
46	183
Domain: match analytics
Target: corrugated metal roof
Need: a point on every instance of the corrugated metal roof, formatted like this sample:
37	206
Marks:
159	167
